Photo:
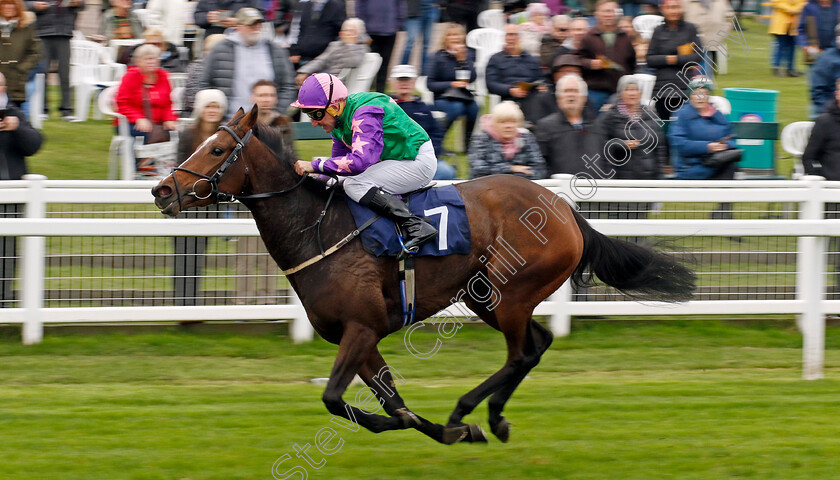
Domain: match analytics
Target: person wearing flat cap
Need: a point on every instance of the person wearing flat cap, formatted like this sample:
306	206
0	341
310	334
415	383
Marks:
243	57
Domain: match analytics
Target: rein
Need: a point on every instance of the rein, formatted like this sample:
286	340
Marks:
213	181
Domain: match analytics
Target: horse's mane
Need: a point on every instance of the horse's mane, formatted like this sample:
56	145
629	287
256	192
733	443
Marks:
274	138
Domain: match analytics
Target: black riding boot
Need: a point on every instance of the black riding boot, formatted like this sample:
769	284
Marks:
415	228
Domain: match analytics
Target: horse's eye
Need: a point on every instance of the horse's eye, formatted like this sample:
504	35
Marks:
217	151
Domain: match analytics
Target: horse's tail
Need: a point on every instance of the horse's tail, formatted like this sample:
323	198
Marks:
635	270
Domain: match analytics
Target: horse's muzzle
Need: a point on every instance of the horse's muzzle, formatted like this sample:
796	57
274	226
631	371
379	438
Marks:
165	199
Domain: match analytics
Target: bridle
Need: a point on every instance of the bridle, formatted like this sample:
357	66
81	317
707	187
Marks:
213	180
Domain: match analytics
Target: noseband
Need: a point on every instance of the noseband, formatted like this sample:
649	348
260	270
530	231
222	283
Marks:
213	180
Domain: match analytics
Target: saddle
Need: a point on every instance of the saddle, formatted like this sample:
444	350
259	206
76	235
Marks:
442	207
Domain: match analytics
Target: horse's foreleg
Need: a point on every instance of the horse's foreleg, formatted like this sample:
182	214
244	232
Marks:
353	352
380	378
539	339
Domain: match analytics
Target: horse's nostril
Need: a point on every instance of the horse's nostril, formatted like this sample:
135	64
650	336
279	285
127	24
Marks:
163	191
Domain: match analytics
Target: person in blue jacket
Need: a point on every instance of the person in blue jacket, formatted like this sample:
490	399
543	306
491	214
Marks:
824	73
698	129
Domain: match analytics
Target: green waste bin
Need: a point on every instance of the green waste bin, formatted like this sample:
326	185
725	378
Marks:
754	105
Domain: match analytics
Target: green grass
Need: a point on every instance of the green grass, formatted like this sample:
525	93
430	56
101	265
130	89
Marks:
688	400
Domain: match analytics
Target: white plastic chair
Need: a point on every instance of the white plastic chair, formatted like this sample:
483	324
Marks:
91	69
646	24
721	104
143	16
177	79
177	97
115	44
164	153
794	140
646	84
361	79
486	42
492	18
191	30
427	96
120	156
422	88
36	102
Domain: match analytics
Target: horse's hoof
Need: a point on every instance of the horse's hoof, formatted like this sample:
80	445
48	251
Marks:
477	434
408	418
501	430
453	435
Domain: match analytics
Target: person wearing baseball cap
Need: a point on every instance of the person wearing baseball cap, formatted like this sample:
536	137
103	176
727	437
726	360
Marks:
216	16
377	148
244	56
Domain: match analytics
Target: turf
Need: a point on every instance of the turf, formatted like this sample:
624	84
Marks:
689	400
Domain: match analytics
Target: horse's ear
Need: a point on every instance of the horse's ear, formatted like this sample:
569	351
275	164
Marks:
236	117
250	119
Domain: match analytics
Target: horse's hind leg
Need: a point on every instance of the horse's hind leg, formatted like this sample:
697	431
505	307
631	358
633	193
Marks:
353	352
538	341
381	379
514	325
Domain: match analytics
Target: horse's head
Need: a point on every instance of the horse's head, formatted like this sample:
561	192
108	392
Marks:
212	171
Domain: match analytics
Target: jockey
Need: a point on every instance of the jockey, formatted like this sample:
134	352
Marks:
377	148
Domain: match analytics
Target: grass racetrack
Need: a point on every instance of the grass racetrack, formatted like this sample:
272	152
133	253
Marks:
685	400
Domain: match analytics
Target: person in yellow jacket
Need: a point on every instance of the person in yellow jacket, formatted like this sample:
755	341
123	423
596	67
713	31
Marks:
784	24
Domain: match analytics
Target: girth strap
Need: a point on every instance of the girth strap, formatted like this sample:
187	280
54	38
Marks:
344	241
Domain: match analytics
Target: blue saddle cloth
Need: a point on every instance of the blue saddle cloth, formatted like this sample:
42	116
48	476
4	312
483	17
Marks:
434	205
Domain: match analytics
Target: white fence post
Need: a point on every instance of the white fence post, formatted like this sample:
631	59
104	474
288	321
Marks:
811	284
32	277
561	321
300	330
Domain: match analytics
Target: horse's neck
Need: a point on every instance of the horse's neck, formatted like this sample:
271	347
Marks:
283	220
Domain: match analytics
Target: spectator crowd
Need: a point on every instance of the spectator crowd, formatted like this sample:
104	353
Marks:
573	87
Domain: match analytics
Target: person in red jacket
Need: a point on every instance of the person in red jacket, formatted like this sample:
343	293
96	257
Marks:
144	96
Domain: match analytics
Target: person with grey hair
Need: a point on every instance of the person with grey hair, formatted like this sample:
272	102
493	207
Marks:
568	139
552	45
539	25
145	98
634	143
504	146
345	53
242	58
18	140
578	28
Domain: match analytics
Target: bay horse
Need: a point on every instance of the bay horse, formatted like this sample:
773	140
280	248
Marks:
353	299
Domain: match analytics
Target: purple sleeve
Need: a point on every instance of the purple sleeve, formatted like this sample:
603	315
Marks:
367	134
339	149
